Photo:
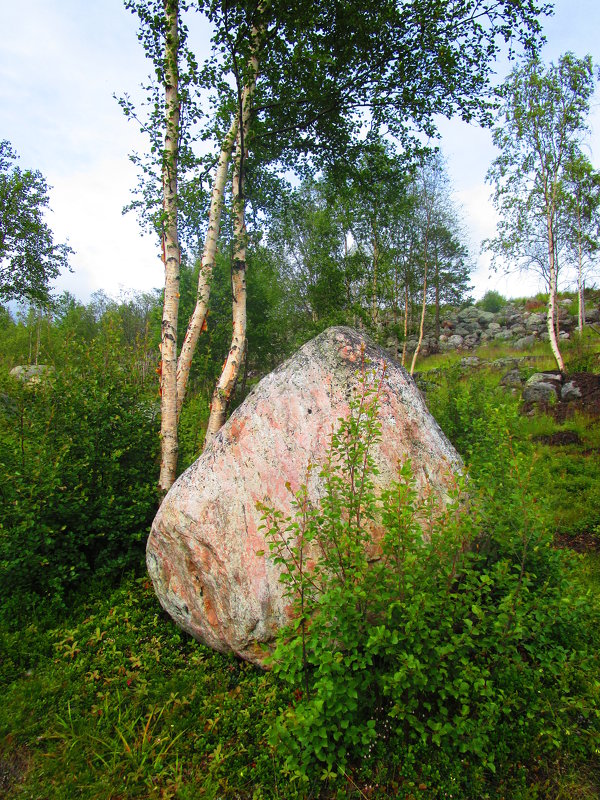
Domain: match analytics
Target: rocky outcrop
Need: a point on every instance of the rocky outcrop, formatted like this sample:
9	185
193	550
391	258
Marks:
471	327
203	551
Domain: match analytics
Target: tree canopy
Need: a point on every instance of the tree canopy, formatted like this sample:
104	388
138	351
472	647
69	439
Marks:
29	257
541	123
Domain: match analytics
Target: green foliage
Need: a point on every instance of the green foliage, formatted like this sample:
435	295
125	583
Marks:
476	413
115	702
29	258
456	656
492	301
77	451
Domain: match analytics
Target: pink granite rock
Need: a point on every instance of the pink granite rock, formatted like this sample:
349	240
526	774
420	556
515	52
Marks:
202	551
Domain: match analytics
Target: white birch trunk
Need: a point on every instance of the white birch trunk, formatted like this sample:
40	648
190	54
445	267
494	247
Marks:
580	297
231	368
422	323
405	322
197	320
171	257
374	287
552	315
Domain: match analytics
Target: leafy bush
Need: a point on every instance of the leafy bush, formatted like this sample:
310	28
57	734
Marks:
492	301
460	651
77	453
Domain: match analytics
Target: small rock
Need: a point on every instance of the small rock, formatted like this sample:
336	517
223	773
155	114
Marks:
525	342
535	321
31	374
570	391
545	377
540	393
512	378
518	330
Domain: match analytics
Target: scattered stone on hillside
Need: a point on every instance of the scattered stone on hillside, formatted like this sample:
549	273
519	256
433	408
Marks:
570	391
542	387
545	377
564	335
518	329
493	327
540	393
203	551
455	341
535	321
525	342
470	361
512	378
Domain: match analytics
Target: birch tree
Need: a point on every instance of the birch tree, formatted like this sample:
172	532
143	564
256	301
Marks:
290	86
29	257
582	201
541	122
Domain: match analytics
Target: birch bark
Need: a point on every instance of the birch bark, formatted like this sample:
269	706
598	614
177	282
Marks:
551	315
423	310
171	255
197	320
237	351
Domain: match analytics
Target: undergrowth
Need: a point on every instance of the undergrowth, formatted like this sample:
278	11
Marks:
463	664
457	662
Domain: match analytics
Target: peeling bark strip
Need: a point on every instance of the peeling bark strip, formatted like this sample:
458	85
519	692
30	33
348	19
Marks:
171	254
198	317
232	367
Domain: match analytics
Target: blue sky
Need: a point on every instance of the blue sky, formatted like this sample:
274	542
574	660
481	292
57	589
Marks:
61	61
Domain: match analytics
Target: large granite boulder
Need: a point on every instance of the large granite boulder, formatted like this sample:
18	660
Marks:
203	551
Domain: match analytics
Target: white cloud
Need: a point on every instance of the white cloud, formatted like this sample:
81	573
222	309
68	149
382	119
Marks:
111	252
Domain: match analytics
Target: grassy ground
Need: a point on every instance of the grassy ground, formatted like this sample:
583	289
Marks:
112	701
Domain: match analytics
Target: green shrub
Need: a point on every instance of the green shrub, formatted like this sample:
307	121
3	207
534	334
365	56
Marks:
459	652
492	301
78	454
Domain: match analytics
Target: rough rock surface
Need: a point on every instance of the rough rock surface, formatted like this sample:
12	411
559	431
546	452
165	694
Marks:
31	373
202	553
